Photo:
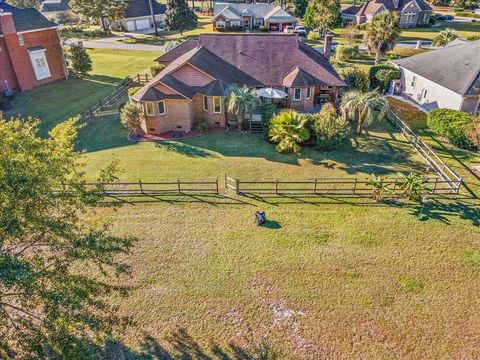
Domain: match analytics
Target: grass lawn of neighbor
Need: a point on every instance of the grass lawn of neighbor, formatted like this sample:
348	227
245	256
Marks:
463	29
60	100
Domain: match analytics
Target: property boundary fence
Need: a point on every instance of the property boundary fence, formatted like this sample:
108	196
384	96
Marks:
158	188
111	98
444	171
331	186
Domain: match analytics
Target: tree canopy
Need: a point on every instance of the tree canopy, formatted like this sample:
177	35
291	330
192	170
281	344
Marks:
23	4
99	9
54	268
382	34
179	17
322	14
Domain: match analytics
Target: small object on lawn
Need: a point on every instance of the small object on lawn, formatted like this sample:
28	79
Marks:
260	218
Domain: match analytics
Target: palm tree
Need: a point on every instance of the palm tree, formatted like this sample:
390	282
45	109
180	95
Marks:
287	130
444	37
382	34
241	101
365	107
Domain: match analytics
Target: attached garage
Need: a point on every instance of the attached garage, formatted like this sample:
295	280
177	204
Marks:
141	24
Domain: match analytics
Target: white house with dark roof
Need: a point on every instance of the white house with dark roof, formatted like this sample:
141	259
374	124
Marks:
445	78
249	16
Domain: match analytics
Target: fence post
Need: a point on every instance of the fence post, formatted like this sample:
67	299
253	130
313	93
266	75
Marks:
216	183
355	186
237	186
435	186
226	187
315	187
276	187
179	187
394	185
141	186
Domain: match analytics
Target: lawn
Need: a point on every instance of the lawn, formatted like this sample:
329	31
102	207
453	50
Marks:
324	278
74	96
464	29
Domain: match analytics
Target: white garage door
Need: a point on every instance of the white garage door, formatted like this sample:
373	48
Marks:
143	24
131	26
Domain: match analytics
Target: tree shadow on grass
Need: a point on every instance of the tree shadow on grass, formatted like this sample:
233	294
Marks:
442	211
181	345
184	149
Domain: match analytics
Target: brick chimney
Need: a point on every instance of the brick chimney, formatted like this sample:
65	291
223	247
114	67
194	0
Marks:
327	47
6	23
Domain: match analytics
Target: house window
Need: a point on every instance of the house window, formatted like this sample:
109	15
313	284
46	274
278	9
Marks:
205	103
297	94
220	24
39	64
149	109
309	92
414	80
161	108
257	22
217	105
409	17
21	42
424	93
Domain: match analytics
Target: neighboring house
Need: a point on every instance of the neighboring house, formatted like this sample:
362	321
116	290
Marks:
411	13
249	16
57	9
445	78
199	72
30	50
138	15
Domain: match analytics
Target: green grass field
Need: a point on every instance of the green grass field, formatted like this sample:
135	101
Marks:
59	101
464	29
326	277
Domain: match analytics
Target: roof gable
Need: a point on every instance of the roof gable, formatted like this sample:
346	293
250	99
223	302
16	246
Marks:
258	10
141	8
280	14
27	19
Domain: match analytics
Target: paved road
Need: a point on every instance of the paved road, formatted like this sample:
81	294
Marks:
113	44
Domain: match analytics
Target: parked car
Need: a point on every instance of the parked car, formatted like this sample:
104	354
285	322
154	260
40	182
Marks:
300	30
288	29
441	17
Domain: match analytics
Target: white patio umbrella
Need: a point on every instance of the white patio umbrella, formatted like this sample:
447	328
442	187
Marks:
271	93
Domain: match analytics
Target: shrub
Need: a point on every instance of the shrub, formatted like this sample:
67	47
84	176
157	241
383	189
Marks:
263	28
133	90
202	125
330	130
375	83
267	111
345	52
79	60
3	102
350	33
357	79
444	37
474	134
132	116
314	36
287	130
455	125
473	37
156	69
385	76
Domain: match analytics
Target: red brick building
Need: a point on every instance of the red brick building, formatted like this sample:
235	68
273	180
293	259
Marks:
30	49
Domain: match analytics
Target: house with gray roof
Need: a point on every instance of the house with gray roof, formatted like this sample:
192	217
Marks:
249	16
411	13
200	71
445	78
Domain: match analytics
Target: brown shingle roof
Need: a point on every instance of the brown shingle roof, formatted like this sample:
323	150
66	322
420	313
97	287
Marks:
178	50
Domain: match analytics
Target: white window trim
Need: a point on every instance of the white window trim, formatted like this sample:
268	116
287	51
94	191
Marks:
164	108
295	94
219	99
409	16
146	109
309	93
34	55
205	102
414	81
21	40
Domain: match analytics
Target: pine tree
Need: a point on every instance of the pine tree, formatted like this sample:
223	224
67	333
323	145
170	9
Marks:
300	8
99	9
322	14
179	17
79	59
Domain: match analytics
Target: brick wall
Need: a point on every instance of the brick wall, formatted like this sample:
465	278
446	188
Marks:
6	69
304	103
178	117
20	65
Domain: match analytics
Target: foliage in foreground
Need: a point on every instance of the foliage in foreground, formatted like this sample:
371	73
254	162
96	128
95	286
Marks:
329	129
49	307
444	37
132	116
457	126
241	101
288	130
267	111
382	34
356	79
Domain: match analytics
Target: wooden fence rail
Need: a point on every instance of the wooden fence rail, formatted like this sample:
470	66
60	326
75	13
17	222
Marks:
333	186
444	171
158	188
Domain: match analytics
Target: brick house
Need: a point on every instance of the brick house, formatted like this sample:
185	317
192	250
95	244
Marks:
199	72
30	50
411	13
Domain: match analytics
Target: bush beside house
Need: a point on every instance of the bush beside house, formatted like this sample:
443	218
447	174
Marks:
457	126
79	60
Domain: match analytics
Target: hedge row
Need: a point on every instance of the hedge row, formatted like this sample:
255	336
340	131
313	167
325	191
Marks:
455	125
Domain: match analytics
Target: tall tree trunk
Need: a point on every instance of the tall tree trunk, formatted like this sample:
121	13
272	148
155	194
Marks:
378	57
102	23
359	125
